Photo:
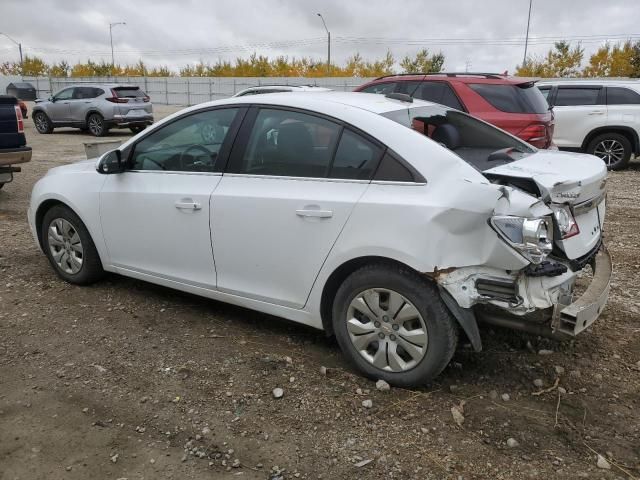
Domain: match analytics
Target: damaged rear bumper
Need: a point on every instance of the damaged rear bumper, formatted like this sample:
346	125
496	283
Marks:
546	306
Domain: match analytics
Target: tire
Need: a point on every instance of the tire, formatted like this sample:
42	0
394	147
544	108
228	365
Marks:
137	130
96	125
404	287
614	148
54	241
42	123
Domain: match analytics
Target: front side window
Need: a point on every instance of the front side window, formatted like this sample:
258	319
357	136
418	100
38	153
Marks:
476	142
622	96
190	144
576	96
383	88
287	143
66	94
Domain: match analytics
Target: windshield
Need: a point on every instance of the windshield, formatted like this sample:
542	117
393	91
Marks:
478	143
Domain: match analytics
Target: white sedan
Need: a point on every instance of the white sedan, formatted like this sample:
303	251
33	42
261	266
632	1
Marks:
396	225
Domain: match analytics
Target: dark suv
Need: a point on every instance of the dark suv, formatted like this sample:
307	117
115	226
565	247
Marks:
510	103
13	144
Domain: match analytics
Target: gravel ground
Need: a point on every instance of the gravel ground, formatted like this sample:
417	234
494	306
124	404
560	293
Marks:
127	380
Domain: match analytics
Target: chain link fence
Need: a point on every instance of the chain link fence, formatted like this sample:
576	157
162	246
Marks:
192	90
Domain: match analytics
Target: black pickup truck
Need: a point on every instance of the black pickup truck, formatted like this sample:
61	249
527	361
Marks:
13	149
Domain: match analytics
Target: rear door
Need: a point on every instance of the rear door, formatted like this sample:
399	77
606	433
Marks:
578	110
84	98
623	107
291	185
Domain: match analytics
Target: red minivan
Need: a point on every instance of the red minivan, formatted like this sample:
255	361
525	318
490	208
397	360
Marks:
513	104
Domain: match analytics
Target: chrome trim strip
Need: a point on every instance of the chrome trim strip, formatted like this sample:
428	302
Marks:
303	179
176	172
589	205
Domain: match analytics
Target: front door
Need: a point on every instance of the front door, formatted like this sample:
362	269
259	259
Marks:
59	110
283	202
155	215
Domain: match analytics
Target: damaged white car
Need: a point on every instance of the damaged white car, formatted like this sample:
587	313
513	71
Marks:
395	225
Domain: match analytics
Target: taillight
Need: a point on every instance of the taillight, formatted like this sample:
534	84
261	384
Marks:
565	221
115	99
19	119
536	134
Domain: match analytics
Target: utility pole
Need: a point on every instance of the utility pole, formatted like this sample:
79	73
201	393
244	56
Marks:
526	39
19	49
111	25
328	45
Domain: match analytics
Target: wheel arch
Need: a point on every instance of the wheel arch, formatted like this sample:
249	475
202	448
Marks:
339	275
91	112
43	208
628	132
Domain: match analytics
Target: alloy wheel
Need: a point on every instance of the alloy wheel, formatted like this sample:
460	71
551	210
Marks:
611	151
65	246
41	122
387	330
95	125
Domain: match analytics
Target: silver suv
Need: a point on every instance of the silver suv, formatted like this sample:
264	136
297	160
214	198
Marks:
94	108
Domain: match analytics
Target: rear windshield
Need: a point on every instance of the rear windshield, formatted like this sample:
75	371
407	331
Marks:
129	92
523	98
479	144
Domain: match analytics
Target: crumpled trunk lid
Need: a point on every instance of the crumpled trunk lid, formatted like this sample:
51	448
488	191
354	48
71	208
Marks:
565	178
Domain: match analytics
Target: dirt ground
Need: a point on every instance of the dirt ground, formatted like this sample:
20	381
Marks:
127	380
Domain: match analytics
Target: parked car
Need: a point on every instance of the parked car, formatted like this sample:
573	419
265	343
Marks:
23	109
94	108
13	144
328	210
22	90
510	103
258	90
598	117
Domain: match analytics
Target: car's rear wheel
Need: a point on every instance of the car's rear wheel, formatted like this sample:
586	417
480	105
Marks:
613	148
42	122
69	247
96	125
137	129
392	325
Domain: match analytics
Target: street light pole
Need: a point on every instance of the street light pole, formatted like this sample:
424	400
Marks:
19	49
328	45
526	40
111	25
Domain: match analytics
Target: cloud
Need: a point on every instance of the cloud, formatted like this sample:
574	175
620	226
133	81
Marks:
180	33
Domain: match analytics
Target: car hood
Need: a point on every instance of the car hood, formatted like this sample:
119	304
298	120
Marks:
84	165
561	177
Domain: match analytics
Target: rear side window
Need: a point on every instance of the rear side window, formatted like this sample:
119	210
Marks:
124	92
523	98
392	170
437	92
545	91
86	92
384	88
356	157
622	96
577	96
292	144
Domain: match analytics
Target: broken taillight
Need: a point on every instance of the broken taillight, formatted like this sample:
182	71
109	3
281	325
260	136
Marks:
565	221
19	119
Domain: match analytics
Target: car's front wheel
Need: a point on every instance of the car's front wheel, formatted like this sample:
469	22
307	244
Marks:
69	247
613	148
42	122
96	125
392	324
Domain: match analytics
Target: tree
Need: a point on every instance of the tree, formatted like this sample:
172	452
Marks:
560	61
611	61
423	62
635	60
61	69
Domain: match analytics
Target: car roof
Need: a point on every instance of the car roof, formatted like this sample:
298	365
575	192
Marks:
462	77
591	81
292	87
100	85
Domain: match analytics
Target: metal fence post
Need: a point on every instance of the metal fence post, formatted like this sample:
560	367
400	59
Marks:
210	91
166	90
188	91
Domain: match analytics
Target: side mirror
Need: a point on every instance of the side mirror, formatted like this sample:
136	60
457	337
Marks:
52	99
110	163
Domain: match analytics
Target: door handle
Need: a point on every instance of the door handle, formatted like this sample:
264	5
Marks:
596	112
314	213
188	205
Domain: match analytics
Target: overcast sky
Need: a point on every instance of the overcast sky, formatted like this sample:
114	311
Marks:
483	35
